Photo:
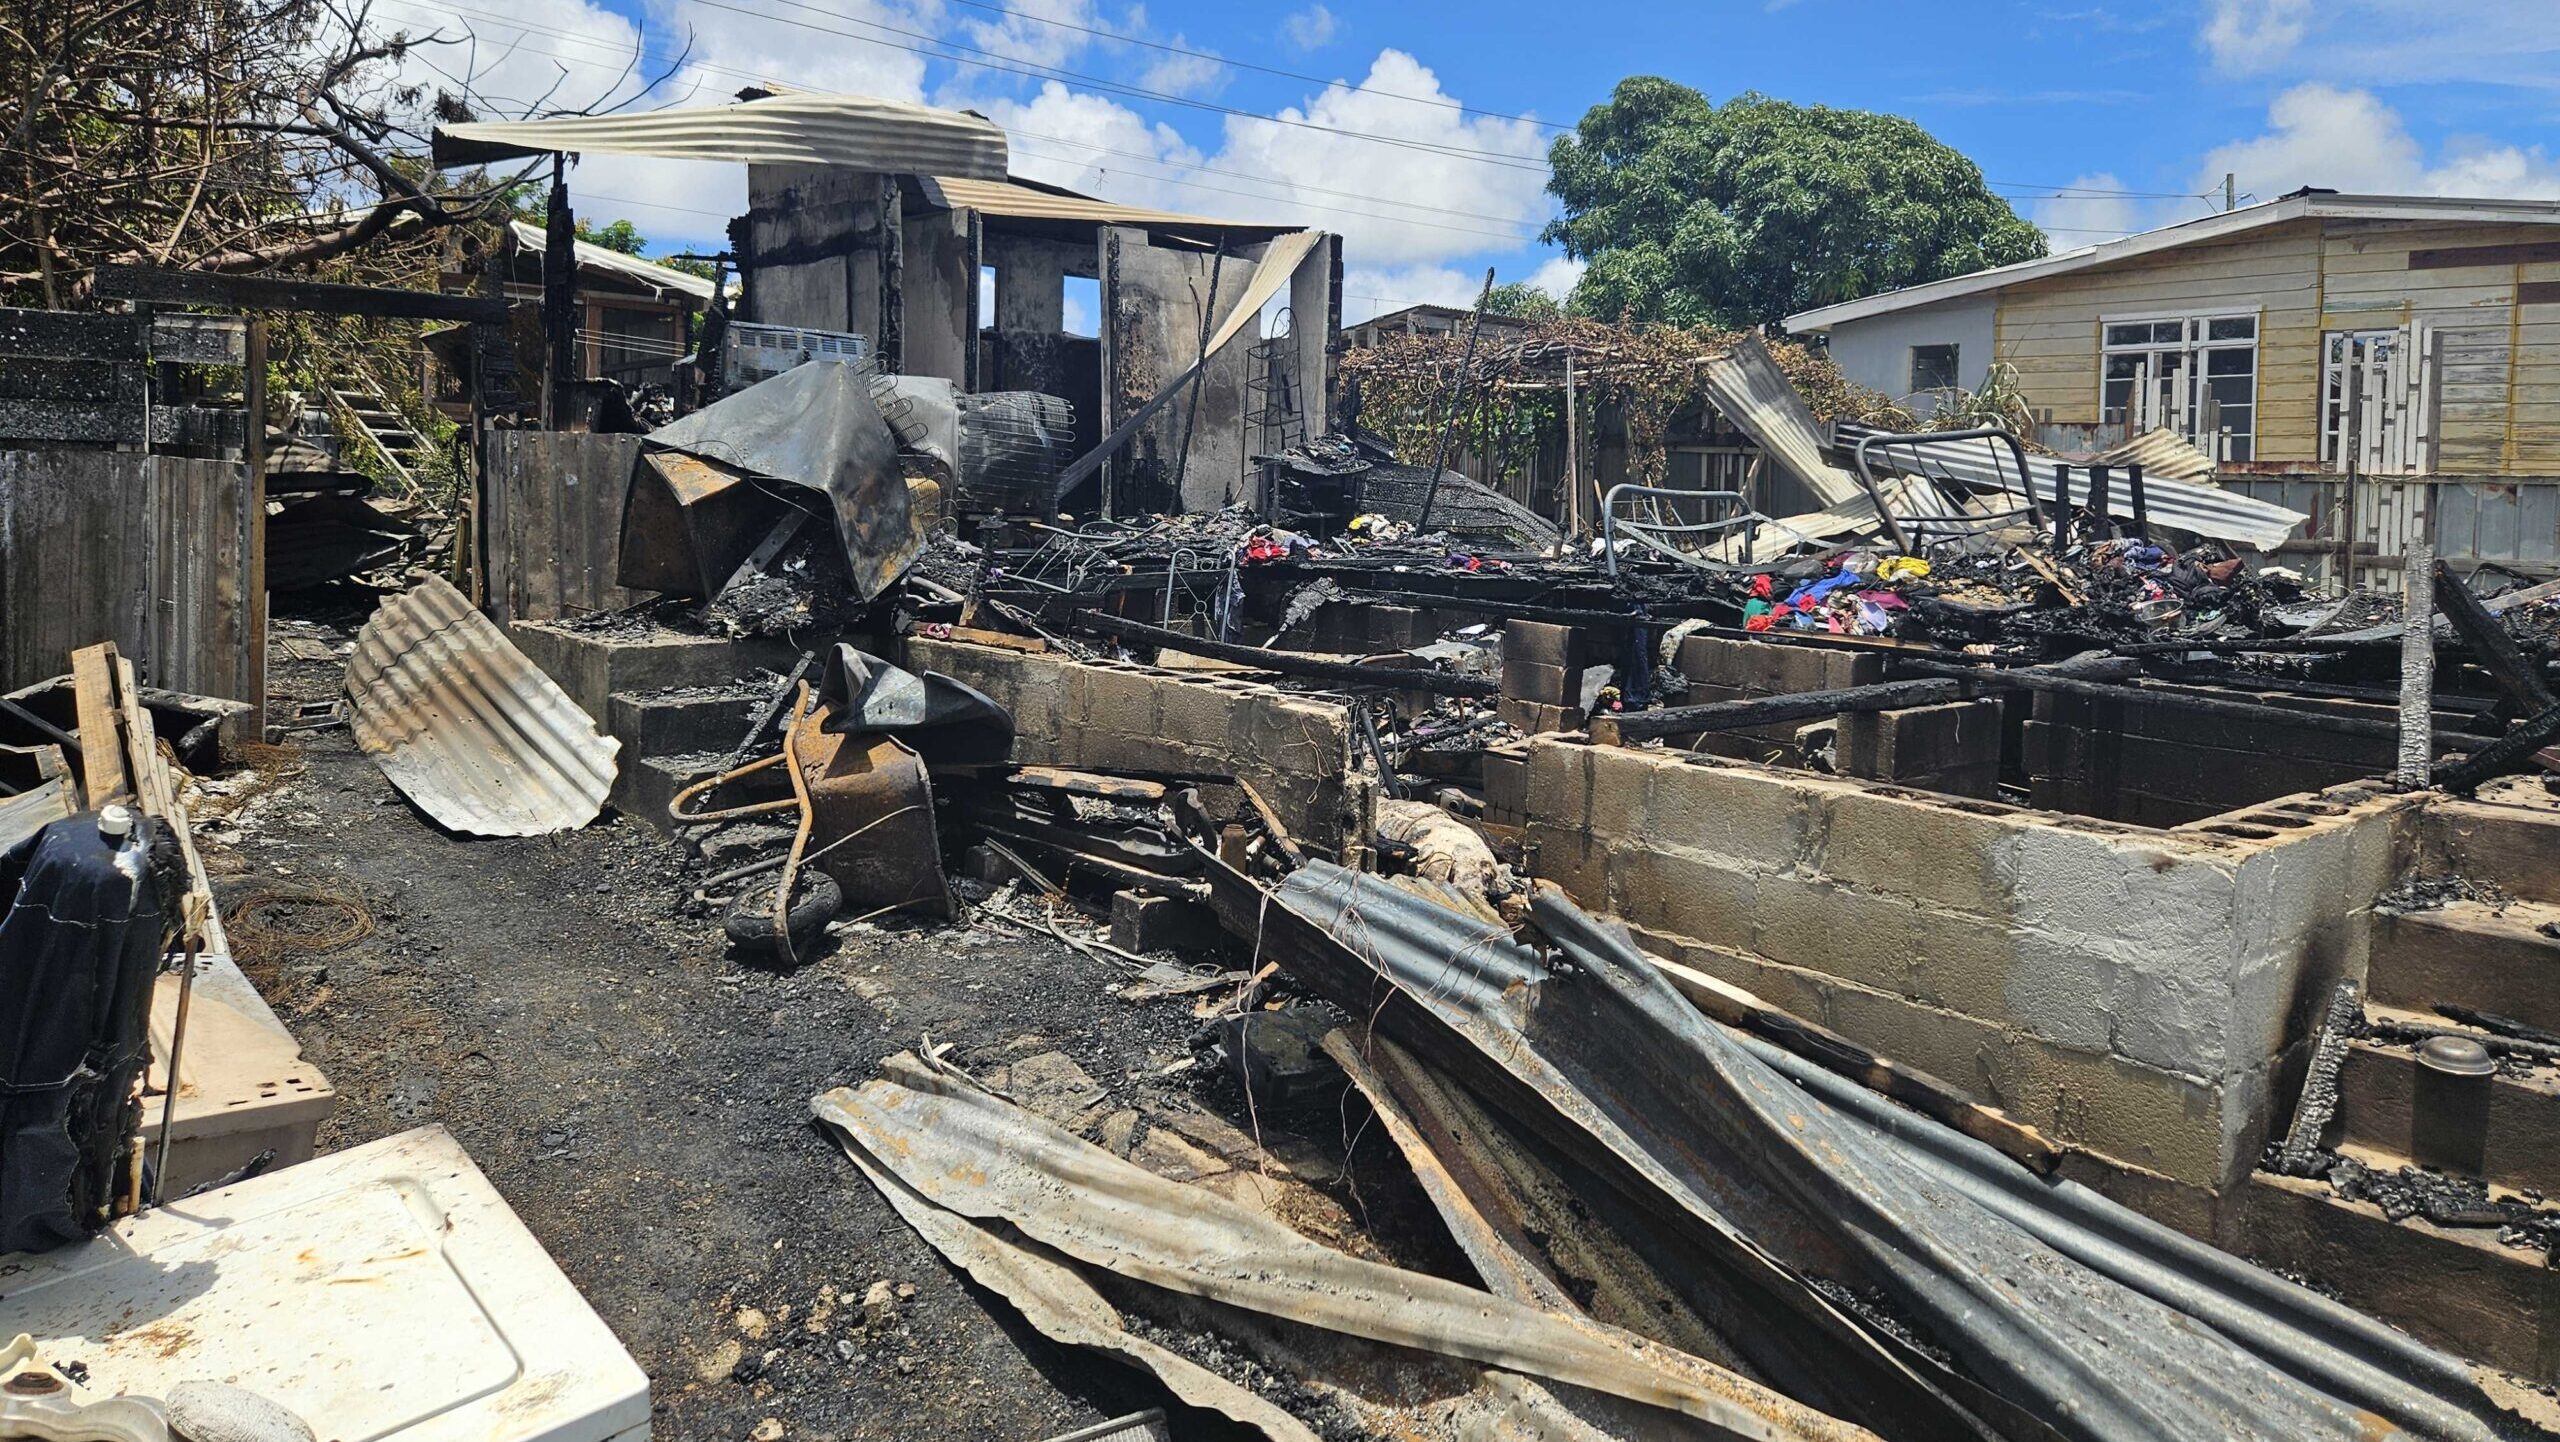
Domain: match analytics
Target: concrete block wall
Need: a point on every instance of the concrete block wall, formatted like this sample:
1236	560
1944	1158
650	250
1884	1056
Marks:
1954	748
1296	749
2157	765
2132	992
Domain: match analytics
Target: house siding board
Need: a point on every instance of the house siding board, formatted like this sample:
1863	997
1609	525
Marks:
2050	329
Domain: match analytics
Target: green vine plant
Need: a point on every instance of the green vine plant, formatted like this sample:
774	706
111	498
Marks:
1513	400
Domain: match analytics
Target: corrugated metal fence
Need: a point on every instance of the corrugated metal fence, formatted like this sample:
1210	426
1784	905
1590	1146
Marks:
2511	524
551	516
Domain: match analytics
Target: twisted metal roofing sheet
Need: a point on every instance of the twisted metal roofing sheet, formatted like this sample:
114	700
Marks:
2205	510
466	727
796	129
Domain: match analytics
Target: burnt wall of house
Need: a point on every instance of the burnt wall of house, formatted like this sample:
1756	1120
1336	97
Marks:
812	247
1154	300
939	284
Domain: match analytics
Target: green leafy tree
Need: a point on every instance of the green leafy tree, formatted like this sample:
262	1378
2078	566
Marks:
619	235
1745	213
1522	300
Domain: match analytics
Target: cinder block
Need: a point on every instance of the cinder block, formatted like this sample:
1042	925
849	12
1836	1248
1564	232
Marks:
1856	936
1920	740
1144	923
1790	989
1620	781
1122	699
1537	719
1734	811
1541	643
1708	899
1955	857
1573	859
1546	685
1196	714
1506	779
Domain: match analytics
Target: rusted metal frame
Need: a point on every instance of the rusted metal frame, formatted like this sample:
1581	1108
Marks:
1290	663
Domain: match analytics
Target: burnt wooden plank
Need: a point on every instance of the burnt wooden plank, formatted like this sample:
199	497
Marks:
81	421
266	292
71	333
2538	292
57	378
205	340
2450	257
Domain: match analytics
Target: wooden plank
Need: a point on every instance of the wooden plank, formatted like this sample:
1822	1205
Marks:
2538	292
102	739
78	421
2449	257
57	378
253	523
258	292
207	340
72	334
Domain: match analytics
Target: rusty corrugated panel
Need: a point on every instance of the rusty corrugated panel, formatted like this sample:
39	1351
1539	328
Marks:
796	129
2165	455
466	727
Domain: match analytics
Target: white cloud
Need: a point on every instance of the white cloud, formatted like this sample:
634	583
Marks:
1020	35
2246	36
1394	205
1369	290
2350	140
1176	73
1558	275
2078	215
1312	28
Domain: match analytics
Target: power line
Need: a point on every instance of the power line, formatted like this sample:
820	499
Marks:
1051	72
1527	232
1261	69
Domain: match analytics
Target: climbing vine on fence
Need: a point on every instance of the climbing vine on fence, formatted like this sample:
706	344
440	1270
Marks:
1514	396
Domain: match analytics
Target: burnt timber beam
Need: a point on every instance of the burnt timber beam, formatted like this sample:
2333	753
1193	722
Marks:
267	292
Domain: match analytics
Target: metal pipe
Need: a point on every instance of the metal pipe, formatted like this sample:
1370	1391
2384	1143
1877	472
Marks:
1449	415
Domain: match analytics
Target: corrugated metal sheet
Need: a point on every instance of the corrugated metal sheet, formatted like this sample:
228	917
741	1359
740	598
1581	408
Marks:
466	727
660	278
1746	384
847	130
966	1150
2205	510
2048	1325
1023	202
2163	455
551	523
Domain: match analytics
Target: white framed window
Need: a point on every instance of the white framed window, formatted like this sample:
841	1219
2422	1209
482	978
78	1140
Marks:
2195	374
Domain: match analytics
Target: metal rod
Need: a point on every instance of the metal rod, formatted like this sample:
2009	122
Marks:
177	1051
1291	663
2061	509
1449	415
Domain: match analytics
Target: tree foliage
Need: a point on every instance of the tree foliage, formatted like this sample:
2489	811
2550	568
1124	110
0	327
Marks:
1744	213
228	135
618	235
1523	301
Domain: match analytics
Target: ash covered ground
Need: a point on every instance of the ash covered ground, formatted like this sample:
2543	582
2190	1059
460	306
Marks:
642	1099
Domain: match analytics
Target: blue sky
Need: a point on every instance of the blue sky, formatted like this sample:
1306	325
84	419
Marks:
1420	127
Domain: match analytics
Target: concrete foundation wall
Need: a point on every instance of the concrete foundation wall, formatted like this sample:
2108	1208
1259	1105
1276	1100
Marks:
1953	748
2132	992
1295	749
2157	765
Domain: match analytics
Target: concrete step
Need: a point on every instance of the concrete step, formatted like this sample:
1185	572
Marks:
644	785
683	720
2503	1128
2470	954
2454	1288
2509	838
